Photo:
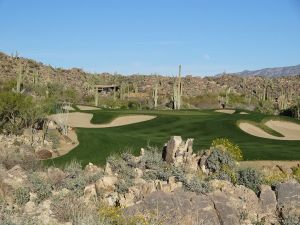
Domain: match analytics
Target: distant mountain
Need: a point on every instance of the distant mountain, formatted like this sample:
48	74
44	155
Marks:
272	72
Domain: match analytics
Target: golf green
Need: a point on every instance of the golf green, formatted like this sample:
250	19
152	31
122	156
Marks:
96	144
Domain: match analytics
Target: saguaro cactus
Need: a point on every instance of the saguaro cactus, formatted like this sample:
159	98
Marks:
177	91
96	97
155	93
19	82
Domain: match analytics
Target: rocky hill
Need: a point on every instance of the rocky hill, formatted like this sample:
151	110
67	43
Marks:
141	86
272	72
173	186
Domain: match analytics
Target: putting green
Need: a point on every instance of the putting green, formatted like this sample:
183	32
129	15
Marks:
204	126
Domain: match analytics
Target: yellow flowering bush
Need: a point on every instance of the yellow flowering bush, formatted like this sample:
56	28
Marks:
233	149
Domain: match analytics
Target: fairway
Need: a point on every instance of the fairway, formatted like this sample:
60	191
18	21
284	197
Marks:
96	144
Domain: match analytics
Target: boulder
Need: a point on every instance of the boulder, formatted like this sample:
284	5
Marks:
43	154
90	192
171	148
177	208
106	183
288	198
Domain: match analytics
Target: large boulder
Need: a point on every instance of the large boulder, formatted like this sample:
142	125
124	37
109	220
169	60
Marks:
288	198
177	208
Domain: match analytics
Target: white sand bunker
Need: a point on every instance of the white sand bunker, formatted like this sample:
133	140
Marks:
290	131
244	113
84	107
227	111
83	120
69	108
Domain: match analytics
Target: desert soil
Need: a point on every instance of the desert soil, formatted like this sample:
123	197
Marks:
290	131
65	147
227	111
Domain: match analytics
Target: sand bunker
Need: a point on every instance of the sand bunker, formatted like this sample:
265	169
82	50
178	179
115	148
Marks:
290	131
65	147
227	111
69	108
83	120
244	113
84	107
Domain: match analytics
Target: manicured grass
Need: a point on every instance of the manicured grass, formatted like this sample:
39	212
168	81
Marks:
97	144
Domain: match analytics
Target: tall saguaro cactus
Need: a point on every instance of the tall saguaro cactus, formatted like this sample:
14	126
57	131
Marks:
177	91
19	82
96	96
155	93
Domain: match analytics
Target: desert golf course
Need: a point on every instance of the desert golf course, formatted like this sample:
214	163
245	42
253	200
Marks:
96	144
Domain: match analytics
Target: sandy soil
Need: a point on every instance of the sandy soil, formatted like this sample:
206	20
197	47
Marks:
83	120
84	107
227	111
244	113
65	147
70	108
259	164
290	131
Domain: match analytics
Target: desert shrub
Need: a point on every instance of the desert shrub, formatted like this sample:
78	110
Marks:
197	185
178	173
233	149
296	173
152	159
121	167
22	195
271	177
219	158
266	107
69	208
115	215
40	186
75	179
92	178
290	220
227	173
250	178
22	156
53	136
18	111
123	185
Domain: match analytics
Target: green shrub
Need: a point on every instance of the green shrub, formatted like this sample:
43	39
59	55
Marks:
296	173
217	159
18	111
40	186
122	186
22	195
197	185
152	159
233	149
290	220
250	178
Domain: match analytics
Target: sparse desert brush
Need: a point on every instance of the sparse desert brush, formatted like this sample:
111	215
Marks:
296	173
115	215
122	167
272	177
23	156
197	185
229	146
250	178
40	186
217	159
22	195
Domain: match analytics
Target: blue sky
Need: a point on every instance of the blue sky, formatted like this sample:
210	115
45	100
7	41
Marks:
153	36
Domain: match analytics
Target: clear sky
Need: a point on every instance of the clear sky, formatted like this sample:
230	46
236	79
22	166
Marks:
153	36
